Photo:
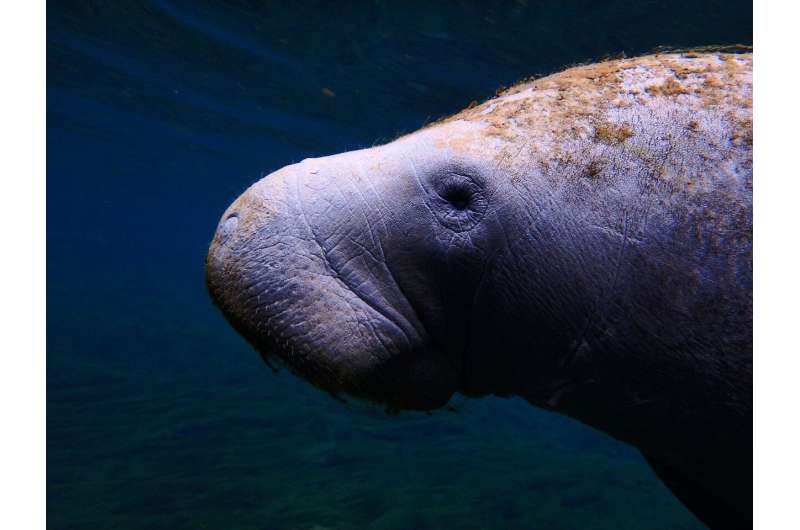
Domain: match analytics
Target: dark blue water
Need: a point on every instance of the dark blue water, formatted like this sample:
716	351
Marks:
159	415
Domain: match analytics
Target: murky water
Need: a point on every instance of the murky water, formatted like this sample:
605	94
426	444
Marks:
159	415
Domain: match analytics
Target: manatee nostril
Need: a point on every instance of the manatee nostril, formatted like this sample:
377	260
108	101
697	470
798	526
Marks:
228	227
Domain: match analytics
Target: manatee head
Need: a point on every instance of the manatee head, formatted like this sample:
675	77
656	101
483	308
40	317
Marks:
360	271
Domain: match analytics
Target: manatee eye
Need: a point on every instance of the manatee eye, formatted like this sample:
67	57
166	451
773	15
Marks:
458	197
459	202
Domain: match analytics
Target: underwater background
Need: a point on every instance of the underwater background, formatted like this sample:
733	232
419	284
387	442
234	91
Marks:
158	415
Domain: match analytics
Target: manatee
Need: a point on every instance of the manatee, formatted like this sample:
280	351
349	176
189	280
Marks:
582	240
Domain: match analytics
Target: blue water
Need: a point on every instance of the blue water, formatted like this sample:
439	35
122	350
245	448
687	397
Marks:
158	414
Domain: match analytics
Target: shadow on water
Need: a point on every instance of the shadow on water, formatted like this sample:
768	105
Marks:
159	416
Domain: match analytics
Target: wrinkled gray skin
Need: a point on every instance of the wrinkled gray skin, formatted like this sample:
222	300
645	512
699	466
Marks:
446	262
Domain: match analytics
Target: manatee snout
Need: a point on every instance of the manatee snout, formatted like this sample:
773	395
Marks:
312	291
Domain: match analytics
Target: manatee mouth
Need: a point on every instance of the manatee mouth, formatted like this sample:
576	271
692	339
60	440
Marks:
358	355
336	326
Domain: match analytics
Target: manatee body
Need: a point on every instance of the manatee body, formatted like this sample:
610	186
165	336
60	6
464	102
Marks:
583	241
